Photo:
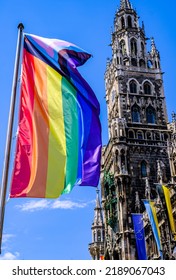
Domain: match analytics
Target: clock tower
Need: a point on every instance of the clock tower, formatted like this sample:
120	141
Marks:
135	158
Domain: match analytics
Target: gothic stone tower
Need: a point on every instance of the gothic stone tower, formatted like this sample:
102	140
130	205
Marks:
96	248
135	157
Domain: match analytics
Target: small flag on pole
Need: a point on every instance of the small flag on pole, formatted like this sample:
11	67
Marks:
139	235
59	131
169	210
151	211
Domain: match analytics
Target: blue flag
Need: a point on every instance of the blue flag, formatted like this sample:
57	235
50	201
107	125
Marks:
139	236
150	208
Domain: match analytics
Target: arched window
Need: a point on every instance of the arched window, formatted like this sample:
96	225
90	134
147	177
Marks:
157	136
129	21
122	23
94	237
143	168
150	114
133	47
147	88
142	49
141	63
166	137
122	46
135	114
131	134
134	62
149	64
139	135
133	87
148	135
123	161
98	235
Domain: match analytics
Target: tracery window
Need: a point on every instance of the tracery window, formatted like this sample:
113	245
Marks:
129	21
141	63
142	49
131	134
148	135
98	235
139	135
133	47
147	88
151	115
122	46
122	23
149	64
135	114
134	61
133	87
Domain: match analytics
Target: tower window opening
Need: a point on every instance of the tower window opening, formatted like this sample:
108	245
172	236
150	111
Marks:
123	161
122	23
147	88
148	136
122	46
166	137
156	65
139	135
133	87
98	235
131	134
134	62
142	49
135	114
143	168
94	237
142	63
150	114
129	21
157	136
133	47
149	64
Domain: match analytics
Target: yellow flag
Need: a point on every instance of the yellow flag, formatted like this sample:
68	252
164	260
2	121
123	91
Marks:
169	210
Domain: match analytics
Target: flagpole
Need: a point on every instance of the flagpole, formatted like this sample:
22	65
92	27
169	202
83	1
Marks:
9	132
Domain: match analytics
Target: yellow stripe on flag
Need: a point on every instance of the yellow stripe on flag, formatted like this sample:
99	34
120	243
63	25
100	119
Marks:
169	210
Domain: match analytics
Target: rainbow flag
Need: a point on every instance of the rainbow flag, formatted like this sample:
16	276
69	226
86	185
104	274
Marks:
59	131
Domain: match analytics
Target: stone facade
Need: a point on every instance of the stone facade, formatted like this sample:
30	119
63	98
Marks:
141	151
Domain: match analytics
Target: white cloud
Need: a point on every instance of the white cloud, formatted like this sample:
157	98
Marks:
10	256
34	205
67	204
43	204
6	237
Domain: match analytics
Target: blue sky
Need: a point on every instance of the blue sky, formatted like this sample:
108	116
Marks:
61	228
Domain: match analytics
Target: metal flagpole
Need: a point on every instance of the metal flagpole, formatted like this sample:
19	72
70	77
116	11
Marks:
9	133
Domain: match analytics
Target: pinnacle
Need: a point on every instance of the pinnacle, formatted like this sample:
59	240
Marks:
125	4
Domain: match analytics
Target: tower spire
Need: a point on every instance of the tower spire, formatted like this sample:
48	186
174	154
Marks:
96	248
153	47
125	4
